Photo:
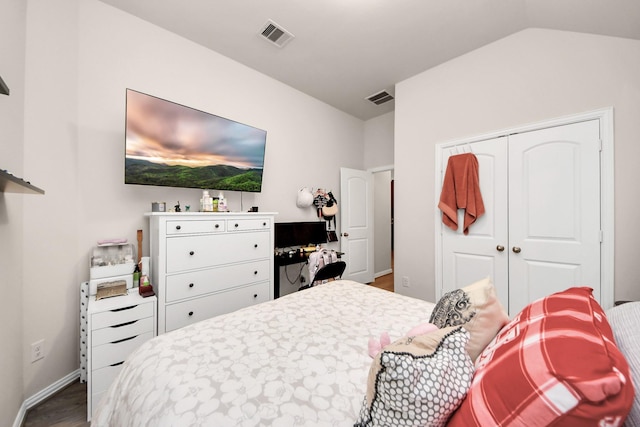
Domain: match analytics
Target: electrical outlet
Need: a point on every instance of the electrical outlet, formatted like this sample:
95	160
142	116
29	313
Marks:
37	350
405	281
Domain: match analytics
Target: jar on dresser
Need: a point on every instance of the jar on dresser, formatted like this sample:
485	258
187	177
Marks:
204	264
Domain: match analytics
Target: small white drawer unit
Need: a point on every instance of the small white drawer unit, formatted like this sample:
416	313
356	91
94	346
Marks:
206	264
116	327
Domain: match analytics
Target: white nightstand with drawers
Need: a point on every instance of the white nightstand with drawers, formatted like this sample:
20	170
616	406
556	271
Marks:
116	327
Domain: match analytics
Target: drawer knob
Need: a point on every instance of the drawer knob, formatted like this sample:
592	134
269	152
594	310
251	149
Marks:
217	226
264	224
236	225
191	285
191	252
255	246
255	295
255	272
191	313
178	227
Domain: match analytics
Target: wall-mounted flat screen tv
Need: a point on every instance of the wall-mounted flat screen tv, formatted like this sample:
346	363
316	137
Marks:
168	144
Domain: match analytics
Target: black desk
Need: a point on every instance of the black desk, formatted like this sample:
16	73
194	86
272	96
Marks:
280	260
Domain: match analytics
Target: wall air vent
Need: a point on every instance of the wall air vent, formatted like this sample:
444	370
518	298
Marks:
275	34
380	97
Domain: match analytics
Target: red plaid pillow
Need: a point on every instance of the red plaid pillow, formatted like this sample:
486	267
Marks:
555	363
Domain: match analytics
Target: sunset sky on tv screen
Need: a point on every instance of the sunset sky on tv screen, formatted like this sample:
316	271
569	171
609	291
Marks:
167	133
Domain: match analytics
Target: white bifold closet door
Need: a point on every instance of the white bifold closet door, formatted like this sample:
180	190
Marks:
541	231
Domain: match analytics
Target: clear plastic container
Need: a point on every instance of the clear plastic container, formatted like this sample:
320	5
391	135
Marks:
112	260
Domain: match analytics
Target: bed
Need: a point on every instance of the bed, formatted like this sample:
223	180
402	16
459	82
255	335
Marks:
306	359
301	359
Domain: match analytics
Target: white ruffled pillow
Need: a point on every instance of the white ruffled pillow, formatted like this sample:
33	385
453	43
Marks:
625	323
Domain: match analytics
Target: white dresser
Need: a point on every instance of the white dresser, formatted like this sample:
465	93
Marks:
206	264
116	327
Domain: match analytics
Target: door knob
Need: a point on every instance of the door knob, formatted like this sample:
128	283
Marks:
345	234
500	248
516	249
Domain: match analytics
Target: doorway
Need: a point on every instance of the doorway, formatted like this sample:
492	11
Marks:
370	188
383	220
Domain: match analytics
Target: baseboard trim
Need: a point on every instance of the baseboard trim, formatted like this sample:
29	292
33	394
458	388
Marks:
43	394
383	273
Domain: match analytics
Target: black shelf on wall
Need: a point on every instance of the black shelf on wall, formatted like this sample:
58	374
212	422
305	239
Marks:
13	184
8	182
4	89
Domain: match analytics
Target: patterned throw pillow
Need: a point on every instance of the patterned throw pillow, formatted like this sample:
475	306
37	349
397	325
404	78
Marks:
555	363
476	307
418	381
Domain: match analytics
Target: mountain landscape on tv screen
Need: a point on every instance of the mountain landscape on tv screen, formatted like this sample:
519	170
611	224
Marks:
218	177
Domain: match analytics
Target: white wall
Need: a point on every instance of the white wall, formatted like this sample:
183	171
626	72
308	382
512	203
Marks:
382	222
12	46
528	77
378	153
51	301
81	56
378	136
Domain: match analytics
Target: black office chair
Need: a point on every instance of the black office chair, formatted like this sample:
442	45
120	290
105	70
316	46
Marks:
329	272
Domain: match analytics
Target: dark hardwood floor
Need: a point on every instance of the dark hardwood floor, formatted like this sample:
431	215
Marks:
68	407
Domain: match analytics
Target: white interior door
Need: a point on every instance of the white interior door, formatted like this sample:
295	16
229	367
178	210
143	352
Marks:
554	211
482	252
356	223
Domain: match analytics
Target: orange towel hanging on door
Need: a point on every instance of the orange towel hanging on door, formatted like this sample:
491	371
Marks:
461	190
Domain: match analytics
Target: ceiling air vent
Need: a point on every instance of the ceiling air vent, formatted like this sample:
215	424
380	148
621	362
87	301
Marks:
275	34
380	97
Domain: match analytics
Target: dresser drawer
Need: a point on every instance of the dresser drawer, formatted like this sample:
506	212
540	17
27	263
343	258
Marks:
102	378
194	252
196	283
116	352
191	311
248	224
121	331
119	316
203	226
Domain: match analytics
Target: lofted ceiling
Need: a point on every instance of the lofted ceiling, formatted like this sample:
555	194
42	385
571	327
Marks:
343	51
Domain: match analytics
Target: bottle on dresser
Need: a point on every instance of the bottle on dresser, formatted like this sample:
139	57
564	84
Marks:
206	203
222	203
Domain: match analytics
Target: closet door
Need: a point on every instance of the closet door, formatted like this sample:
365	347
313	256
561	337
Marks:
541	230
554	211
482	252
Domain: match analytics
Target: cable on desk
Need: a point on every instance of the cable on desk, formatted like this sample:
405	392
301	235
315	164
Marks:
286	273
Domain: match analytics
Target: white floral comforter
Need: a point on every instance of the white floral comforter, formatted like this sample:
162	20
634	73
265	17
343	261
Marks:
300	360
